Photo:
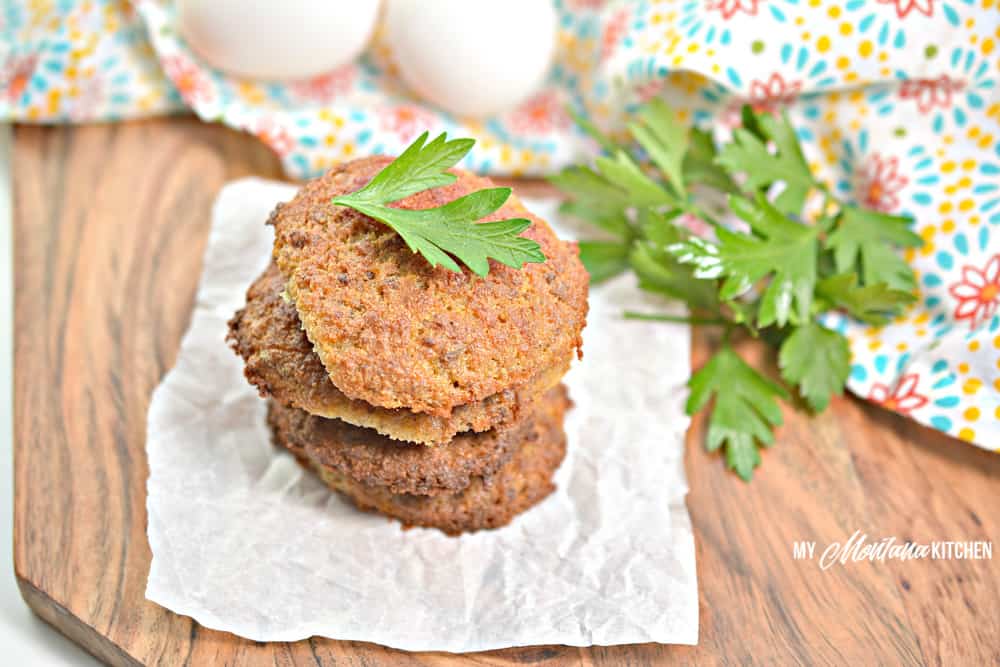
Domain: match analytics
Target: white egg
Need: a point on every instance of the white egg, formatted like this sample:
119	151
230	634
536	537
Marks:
472	57
272	39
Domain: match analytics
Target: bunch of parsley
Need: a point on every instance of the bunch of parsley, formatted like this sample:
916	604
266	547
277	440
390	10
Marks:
773	278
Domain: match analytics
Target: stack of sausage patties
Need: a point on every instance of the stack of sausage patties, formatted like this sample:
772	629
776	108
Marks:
427	395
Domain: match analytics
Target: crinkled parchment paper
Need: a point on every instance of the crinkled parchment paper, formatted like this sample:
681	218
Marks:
243	540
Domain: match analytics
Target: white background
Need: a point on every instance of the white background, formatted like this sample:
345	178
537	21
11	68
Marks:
25	640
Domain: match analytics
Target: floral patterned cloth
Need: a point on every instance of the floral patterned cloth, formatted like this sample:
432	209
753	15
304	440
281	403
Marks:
897	102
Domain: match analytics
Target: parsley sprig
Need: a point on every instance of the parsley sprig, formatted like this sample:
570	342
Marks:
449	231
773	278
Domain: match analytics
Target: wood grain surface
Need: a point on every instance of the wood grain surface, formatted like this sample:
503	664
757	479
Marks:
110	223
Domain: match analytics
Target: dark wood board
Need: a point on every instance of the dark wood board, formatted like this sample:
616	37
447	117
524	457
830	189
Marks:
110	223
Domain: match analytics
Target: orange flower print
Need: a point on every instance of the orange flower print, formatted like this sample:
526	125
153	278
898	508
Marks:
773	94
904	7
930	93
978	293
15	75
880	183
326	87
767	96
728	8
407	121
647	91
903	399
542	113
614	30
190	82
275	136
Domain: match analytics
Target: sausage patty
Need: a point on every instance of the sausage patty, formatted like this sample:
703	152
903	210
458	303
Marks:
279	360
396	333
488	500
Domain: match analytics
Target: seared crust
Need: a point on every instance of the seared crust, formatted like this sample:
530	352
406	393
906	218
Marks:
396	333
280	362
376	461
488	501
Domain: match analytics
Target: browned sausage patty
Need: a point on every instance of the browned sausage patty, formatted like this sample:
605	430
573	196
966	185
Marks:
374	460
396	333
280	362
488	501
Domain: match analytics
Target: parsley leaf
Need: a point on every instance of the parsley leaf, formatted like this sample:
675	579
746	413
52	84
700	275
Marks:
780	248
603	259
863	237
664	139
745	408
640	189
589	188
700	165
420	167
617	182
449	230
873	304
659	271
818	361
611	219
749	155
798	180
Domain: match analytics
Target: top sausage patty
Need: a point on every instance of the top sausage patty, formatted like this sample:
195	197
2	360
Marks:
281	363
396	333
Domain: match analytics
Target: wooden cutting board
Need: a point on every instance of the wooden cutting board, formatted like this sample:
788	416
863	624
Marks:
110	222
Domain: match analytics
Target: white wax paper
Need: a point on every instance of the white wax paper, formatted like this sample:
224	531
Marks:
245	541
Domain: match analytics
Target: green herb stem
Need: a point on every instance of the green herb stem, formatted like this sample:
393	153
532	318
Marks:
679	319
